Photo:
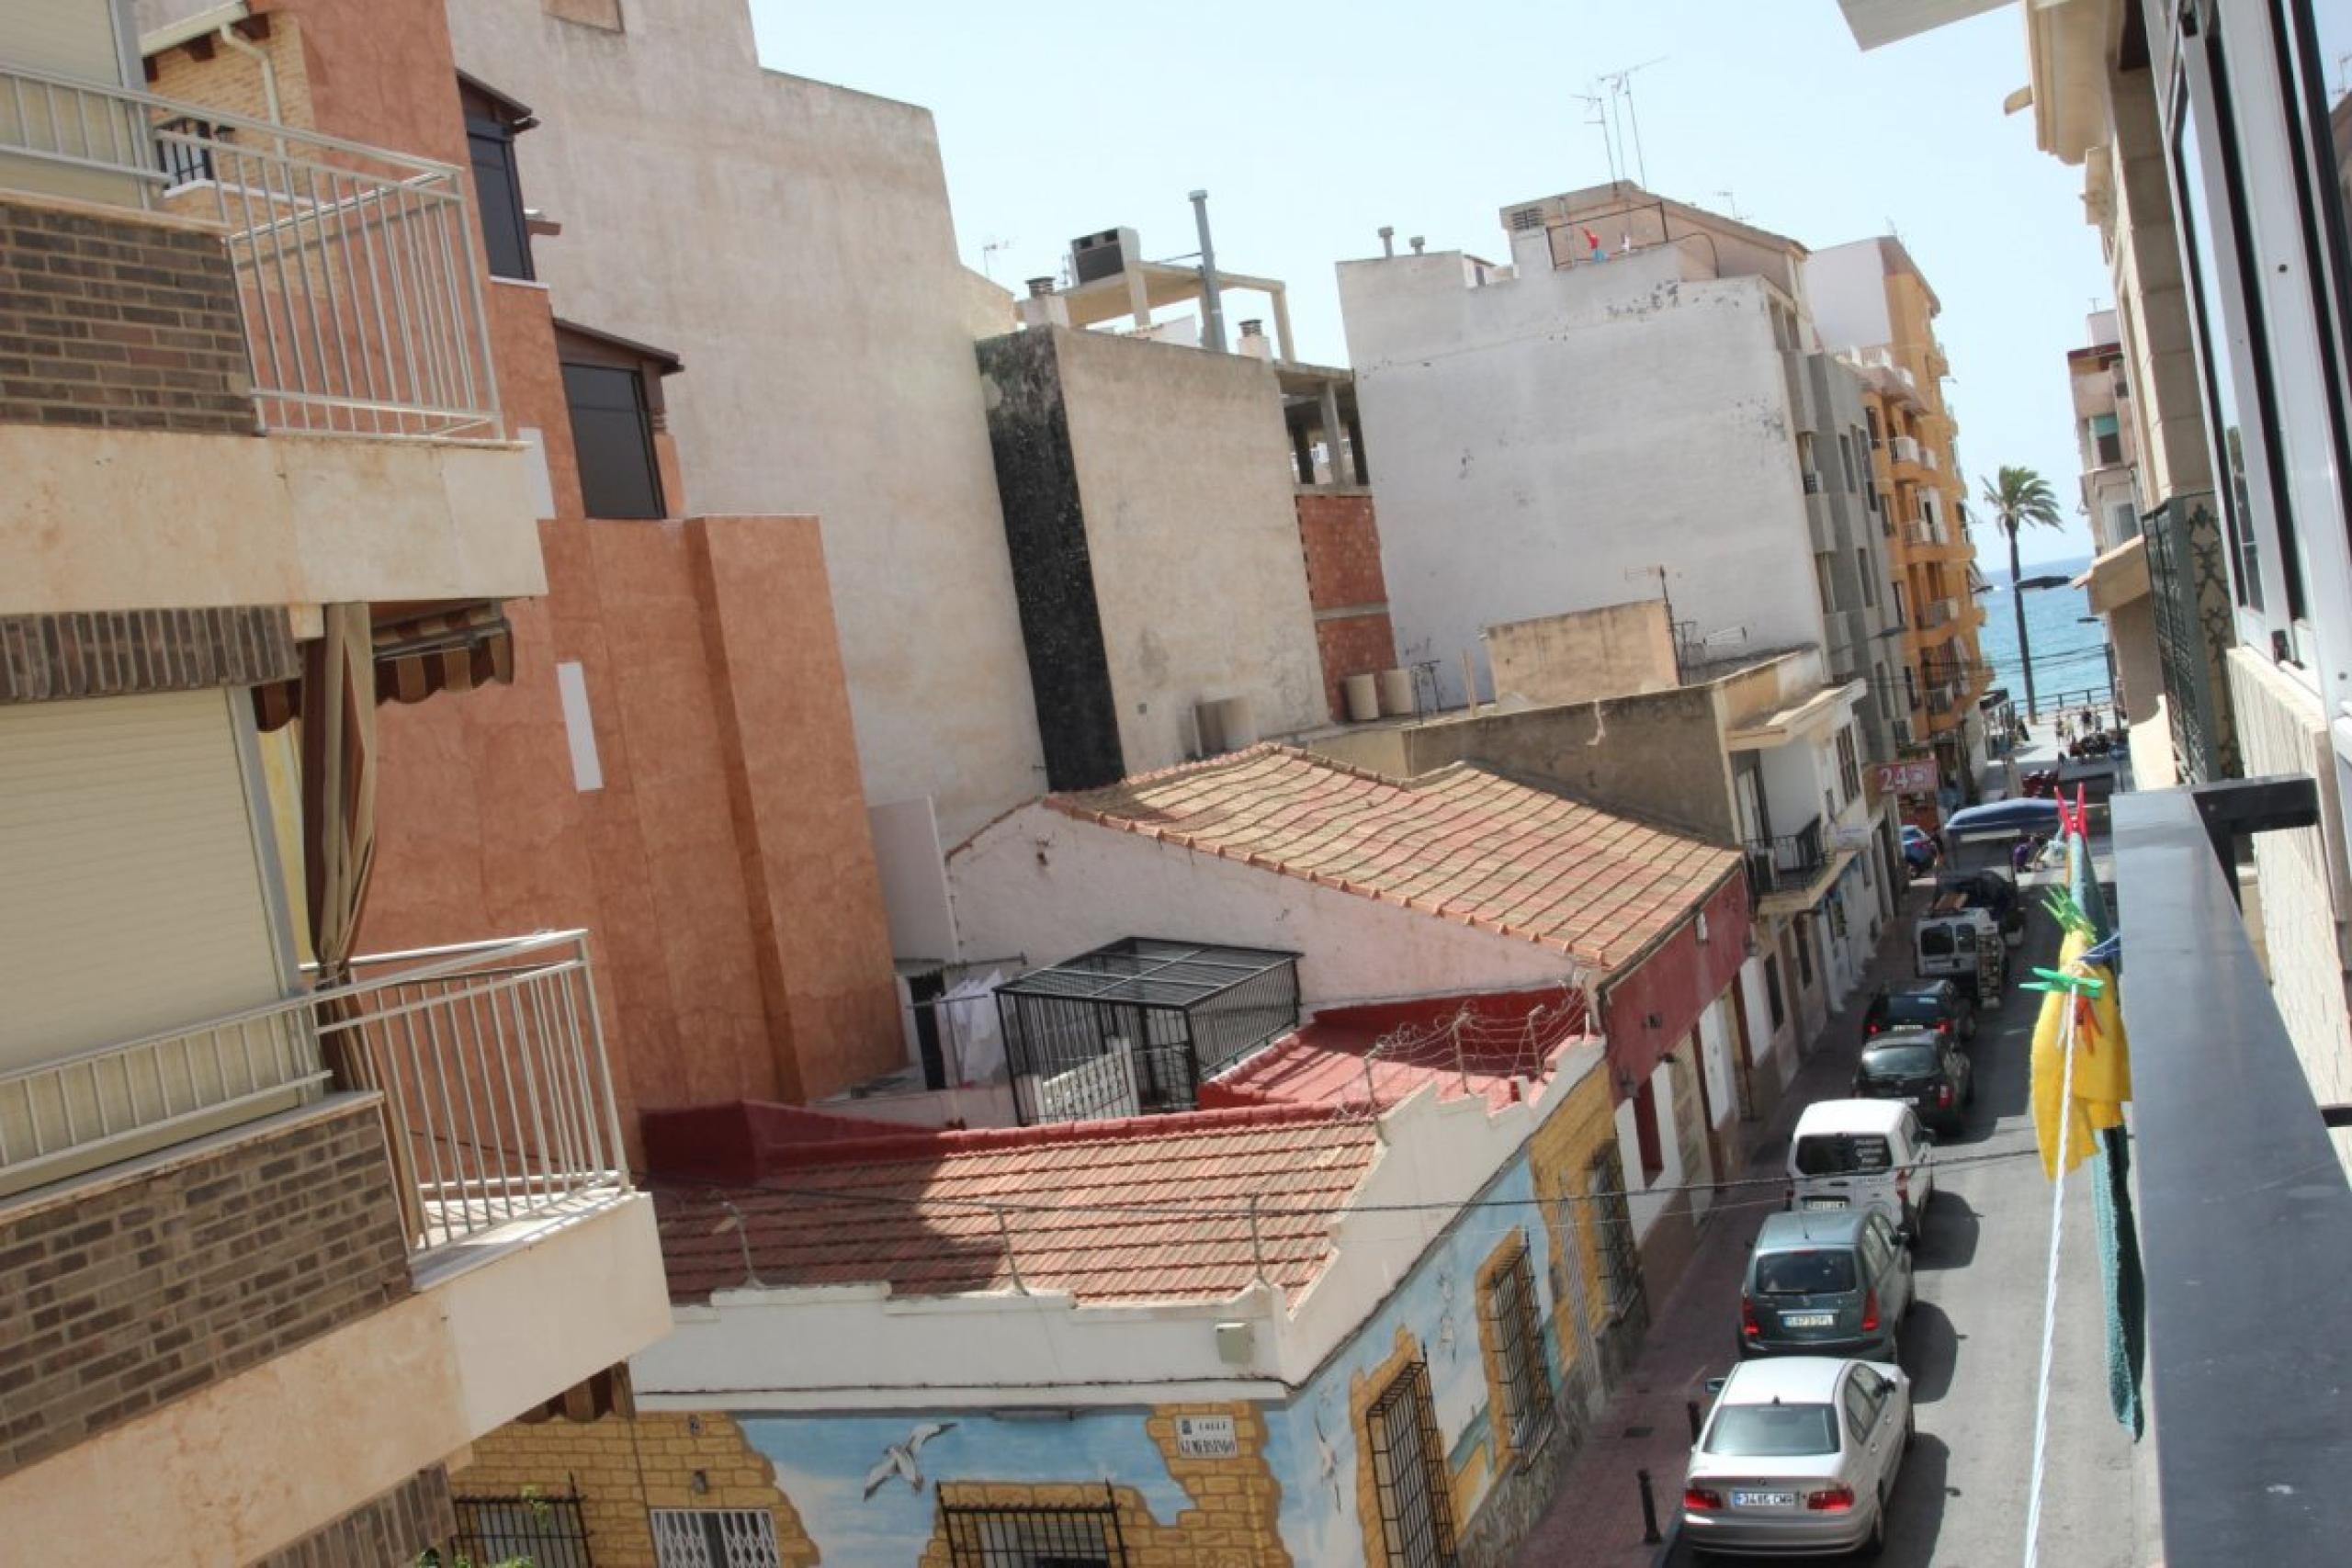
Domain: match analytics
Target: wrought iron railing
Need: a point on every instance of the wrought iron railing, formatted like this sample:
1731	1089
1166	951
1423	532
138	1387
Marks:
2190	601
1788	862
355	266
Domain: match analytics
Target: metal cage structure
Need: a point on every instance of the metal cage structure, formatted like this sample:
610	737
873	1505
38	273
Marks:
1136	1027
1066	1535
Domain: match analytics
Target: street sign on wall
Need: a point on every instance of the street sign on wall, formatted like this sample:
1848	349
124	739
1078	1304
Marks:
1916	776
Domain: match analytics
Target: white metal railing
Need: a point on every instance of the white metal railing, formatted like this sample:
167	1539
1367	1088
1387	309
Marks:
490	1058
498	1098
355	266
1905	449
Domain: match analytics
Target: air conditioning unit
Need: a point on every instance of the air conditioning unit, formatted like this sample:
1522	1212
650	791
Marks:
1106	254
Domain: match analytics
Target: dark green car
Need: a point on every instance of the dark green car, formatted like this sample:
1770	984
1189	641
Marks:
1826	1282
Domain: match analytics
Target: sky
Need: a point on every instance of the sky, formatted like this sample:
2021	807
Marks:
1311	125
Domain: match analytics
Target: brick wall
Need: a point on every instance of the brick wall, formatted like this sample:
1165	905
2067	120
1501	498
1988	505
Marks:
115	653
127	1290
1342	544
121	321
386	1531
1352	644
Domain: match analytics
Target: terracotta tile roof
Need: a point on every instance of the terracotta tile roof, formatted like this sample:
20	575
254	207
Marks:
1464	842
1375	1056
908	1208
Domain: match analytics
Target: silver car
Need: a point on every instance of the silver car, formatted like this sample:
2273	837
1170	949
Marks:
1798	1457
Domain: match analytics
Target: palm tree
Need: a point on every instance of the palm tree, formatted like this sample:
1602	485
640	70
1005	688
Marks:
2019	498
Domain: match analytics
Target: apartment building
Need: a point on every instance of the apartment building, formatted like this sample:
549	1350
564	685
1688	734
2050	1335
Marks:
286	1224
1874	308
1635	403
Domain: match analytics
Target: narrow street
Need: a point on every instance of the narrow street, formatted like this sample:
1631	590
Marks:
1971	1346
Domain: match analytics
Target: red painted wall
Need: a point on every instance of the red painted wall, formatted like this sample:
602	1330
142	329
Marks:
1676	981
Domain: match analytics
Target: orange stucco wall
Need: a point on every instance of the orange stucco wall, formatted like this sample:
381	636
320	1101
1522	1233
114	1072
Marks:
725	868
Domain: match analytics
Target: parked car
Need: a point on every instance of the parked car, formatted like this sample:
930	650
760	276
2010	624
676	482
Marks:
1799	1456
1826	1282
1920	850
1937	1005
1924	1070
2019	815
1863	1153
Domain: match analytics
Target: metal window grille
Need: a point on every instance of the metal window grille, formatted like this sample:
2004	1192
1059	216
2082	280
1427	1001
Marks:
544	1531
1071	1535
1408	1474
1612	1223
1134	1027
713	1537
1518	1339
183	149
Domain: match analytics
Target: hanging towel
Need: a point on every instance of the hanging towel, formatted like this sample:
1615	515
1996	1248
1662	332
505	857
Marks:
2125	1286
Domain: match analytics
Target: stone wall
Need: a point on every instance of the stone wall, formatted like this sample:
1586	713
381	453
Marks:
119	320
131	1290
115	653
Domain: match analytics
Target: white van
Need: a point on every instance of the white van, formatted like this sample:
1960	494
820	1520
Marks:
1863	1153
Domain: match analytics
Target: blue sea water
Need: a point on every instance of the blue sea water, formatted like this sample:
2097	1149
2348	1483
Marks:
2069	645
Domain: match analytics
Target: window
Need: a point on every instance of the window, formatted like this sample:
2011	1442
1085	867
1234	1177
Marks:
1902	618
1408	1474
1843	1153
1846	457
1082	1535
1513	1340
1773	992
492	121
1870	588
1613	1220
2106	440
1861	1411
1646	1131
612	433
1772	1431
1850	773
1804	952
1813	1271
713	1537
546	1531
1828	588
1805	461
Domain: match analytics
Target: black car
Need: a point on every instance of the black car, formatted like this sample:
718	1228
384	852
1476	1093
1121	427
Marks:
1937	1005
1921	1066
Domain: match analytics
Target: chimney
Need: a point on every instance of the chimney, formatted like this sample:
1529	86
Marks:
1043	307
1254	342
1387	240
1417	243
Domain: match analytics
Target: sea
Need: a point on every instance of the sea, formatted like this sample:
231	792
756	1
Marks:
2069	644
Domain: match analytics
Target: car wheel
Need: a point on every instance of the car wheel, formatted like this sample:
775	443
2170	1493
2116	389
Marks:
1910	1429
1874	1542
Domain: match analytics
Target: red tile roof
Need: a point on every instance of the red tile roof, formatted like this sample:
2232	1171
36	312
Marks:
1464	842
1377	1056
909	1208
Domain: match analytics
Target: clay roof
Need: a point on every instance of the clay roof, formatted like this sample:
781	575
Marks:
1464	844
1378	1054
829	1201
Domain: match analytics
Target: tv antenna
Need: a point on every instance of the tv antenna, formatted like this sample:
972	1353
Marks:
1731	207
1658	574
988	256
1598	113
1620	84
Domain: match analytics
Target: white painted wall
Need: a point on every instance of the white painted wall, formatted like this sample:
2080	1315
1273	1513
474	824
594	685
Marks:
792	241
1540	438
1184	475
1048	886
1845	286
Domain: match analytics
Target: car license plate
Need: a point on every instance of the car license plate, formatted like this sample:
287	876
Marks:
1807	1319
1763	1499
1824	1202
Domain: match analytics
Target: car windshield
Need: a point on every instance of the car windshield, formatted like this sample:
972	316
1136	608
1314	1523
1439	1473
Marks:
1809	1273
1838	1154
1898	1061
1912	1007
1935	940
1772	1431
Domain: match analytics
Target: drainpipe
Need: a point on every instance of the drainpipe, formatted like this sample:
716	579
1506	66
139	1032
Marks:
229	35
1212	311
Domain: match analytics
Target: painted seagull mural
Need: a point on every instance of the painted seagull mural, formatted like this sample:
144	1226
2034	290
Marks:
902	1461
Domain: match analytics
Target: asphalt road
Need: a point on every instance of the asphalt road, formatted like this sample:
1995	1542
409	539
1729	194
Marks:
1974	1346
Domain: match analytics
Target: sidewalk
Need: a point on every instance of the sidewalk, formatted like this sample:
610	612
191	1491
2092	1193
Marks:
1595	1520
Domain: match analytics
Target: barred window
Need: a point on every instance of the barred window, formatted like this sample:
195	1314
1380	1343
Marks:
546	1531
1408	1474
713	1537
1080	1535
1612	1223
1515	1350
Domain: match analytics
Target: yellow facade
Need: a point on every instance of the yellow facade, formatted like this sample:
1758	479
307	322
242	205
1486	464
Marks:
1558	1155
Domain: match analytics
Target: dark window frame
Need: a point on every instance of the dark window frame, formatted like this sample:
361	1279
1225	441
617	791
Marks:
492	122
1773	992
1616	1248
611	431
1516	1364
1059	1535
1415	1521
1648	1138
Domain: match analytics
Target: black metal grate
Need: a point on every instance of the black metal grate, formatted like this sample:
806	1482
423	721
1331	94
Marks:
1518	1339
1612	1223
544	1530
2189	601
185	161
1408	1472
1134	1027
1074	1535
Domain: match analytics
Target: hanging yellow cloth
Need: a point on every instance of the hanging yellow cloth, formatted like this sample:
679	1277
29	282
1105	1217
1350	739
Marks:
2102	1063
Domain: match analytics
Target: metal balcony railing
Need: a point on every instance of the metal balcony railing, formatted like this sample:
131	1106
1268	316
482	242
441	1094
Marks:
355	266
491	1058
1905	449
1939	613
1788	862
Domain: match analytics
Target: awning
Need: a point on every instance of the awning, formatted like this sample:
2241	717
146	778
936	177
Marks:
418	652
2117	578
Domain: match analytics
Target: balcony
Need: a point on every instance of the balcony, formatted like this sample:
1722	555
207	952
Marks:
1791	864
236	278
2239	1182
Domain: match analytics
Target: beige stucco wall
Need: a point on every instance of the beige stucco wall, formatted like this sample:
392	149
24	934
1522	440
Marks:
792	241
2131	630
1608	652
124	519
239	1469
2304	895
1184	477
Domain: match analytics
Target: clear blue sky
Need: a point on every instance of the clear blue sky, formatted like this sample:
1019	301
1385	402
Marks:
1312	125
